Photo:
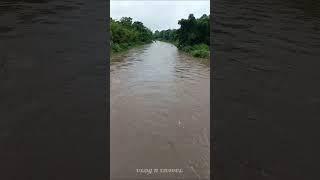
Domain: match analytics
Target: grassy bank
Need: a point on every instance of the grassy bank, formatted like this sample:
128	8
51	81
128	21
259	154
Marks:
198	50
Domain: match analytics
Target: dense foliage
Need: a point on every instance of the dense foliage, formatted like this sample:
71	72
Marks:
193	36
125	34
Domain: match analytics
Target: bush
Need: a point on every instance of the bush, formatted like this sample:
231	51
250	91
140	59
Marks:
198	50
116	47
200	53
187	48
201	47
124	45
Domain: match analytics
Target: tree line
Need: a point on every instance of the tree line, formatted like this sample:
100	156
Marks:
125	34
193	36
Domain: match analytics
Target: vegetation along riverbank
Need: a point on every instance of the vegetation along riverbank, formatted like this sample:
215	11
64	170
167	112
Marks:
126	34
193	36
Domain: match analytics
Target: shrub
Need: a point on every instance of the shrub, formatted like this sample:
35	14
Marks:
201	47
187	48
116	47
200	53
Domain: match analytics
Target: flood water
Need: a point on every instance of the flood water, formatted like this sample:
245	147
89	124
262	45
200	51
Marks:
159	113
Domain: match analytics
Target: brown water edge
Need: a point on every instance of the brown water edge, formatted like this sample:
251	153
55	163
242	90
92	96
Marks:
160	113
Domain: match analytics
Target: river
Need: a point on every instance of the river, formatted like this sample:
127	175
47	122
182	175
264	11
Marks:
159	113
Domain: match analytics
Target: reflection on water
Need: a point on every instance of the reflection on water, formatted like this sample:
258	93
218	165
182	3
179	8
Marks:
159	112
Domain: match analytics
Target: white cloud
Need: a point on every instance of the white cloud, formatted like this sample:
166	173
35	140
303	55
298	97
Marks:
158	15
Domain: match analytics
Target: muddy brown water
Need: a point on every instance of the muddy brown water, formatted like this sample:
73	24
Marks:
159	113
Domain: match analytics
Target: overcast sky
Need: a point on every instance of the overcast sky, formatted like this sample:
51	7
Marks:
158	14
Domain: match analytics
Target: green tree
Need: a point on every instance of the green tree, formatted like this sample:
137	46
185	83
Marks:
125	33
193	35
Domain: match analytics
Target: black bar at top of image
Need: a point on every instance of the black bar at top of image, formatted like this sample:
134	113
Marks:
266	106
54	90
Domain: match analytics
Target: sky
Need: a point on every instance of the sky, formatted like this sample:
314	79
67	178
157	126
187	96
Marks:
158	14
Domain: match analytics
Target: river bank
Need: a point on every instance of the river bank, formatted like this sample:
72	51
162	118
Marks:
198	51
123	47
